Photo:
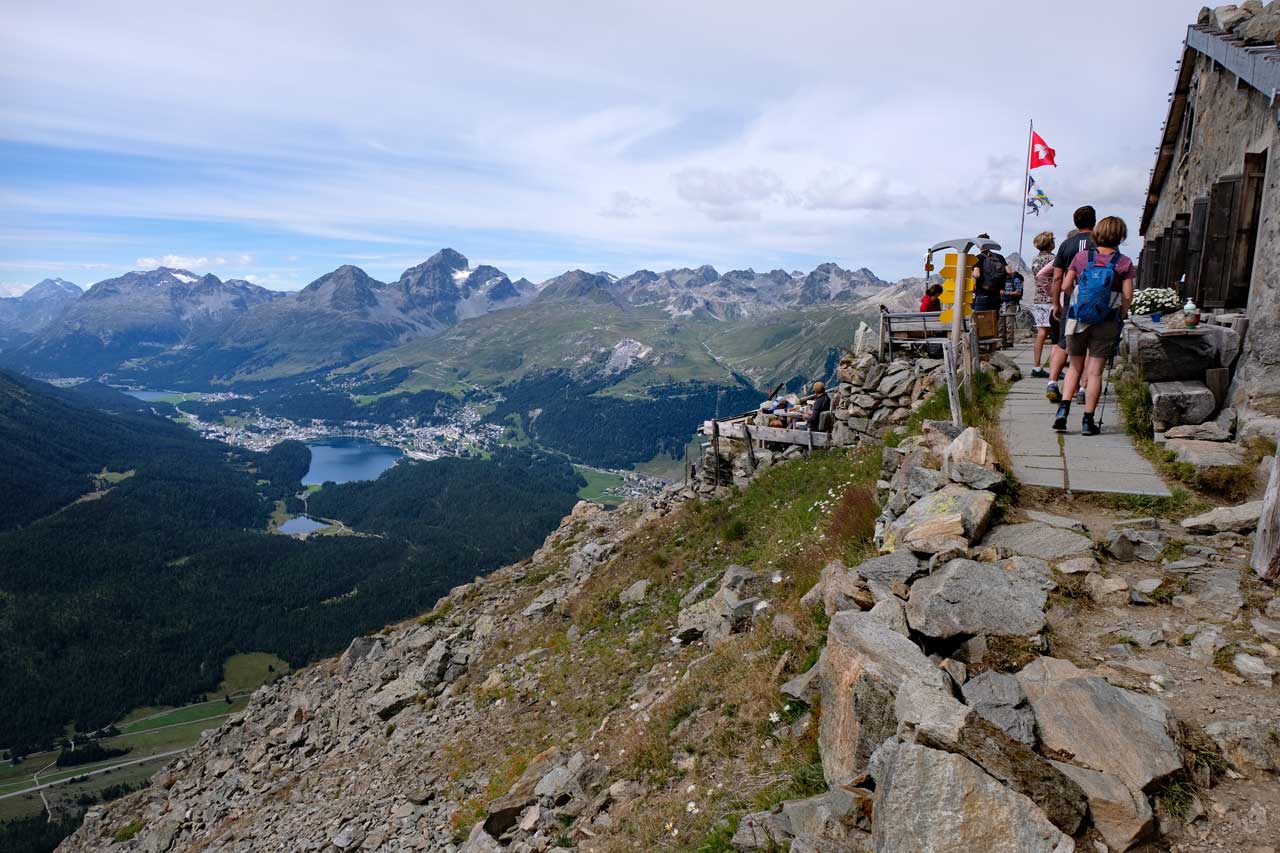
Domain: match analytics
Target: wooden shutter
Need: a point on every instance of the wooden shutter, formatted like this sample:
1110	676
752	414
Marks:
1177	254
1219	242
1195	247
1157	256
1248	208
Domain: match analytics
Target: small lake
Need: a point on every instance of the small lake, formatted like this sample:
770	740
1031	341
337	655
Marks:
343	460
301	524
152	396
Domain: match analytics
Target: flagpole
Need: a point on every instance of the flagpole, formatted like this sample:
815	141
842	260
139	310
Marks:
1022	227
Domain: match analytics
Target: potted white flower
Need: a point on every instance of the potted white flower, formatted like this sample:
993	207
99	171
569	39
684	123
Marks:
1155	300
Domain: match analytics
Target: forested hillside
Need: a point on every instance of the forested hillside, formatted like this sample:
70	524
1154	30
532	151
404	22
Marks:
419	503
137	594
598	429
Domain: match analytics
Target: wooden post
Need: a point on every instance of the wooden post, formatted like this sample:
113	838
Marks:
1266	547
953	392
751	451
715	451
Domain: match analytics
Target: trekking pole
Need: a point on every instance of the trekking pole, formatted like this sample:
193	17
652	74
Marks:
1111	366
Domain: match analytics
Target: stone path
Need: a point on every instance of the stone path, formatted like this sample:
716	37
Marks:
1041	457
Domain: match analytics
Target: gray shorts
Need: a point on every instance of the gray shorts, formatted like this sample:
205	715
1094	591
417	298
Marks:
1096	341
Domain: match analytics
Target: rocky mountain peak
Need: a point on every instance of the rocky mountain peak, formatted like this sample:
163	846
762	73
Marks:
53	288
577	284
449	258
348	288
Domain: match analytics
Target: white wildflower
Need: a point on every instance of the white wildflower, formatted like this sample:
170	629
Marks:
775	717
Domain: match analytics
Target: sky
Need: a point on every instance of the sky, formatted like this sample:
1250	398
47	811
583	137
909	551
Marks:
275	142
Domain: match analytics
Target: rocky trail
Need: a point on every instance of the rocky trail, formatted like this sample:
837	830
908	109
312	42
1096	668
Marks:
877	648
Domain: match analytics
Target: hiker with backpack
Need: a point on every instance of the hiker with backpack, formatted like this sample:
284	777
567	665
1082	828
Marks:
1097	290
990	274
1080	240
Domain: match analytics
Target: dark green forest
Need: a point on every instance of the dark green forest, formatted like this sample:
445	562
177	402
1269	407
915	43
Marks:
418	503
138	596
611	431
305	402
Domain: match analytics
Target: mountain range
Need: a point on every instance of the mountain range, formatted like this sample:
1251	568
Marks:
175	327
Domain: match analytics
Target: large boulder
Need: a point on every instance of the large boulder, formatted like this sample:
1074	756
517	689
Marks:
998	697
1206	454
881	573
728	611
824	822
966	598
1121	815
1247	744
839	588
1177	403
1240	519
927	799
970	460
1171	358
865	663
934	718
953	517
1227	18
1088	722
1261	29
1040	540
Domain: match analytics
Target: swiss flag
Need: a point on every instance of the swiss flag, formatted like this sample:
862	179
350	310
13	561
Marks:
1041	153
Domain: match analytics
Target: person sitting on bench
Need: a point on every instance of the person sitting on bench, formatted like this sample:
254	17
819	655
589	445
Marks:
821	403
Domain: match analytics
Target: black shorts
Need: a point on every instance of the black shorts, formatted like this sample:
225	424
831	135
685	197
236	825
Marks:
1096	341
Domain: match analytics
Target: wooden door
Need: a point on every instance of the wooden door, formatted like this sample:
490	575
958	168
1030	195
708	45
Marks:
1219	242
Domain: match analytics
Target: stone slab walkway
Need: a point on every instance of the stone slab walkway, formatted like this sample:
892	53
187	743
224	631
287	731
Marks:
1041	457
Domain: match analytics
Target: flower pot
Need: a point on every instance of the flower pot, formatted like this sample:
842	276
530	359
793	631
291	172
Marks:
1155	316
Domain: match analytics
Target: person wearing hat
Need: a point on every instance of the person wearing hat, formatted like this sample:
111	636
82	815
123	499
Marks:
821	403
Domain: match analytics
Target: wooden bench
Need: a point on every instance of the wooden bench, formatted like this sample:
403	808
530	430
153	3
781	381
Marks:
920	328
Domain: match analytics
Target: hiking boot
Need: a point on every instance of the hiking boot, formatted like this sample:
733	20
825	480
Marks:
1039	373
1060	422
1080	396
1087	426
1051	391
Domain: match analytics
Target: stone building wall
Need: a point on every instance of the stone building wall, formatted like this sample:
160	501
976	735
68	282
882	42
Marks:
1230	122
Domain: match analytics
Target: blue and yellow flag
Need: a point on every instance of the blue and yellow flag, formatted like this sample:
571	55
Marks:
1036	197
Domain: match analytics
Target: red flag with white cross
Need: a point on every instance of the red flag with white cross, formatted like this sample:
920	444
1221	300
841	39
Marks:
1041	153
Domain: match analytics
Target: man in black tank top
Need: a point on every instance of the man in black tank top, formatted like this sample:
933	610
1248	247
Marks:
1080	240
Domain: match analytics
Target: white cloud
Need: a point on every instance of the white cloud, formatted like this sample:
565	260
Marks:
192	262
186	262
730	139
252	279
13	288
624	205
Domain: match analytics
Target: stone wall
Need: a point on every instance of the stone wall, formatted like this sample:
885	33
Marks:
1230	122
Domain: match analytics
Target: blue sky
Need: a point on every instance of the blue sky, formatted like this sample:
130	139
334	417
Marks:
278	143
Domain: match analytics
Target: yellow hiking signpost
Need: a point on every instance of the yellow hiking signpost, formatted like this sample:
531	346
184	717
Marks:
957	287
952	272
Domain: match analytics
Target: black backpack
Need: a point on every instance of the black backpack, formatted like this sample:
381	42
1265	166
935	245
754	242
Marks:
994	274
